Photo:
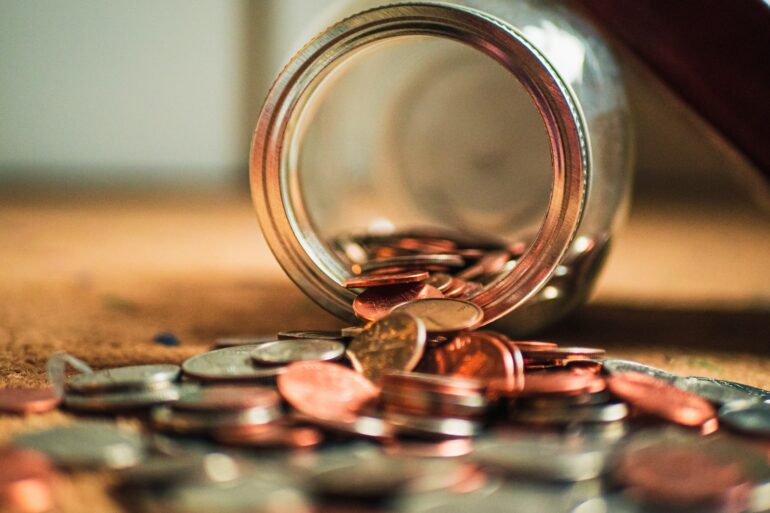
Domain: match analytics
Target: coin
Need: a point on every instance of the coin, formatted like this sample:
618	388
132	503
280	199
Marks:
410	261
562	383
610	412
442	281
712	390
378	280
490	262
28	400
226	398
188	421
243	341
228	364
563	353
361	426
456	288
444	315
271	436
313	334
351	331
370	478
26	481
377	302
395	342
120	400
86	445
542	457
531	345
132	377
681	476
325	390
618	366
474	355
658	397
287	351
747	416
433	427
182	468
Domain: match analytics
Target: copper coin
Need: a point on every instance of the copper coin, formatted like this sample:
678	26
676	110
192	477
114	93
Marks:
377	302
325	390
378	280
660	398
28	400
474	355
682	476
563	353
532	345
425	245
562	382
441	281
432	382
227	397
26	480
490	263
472	289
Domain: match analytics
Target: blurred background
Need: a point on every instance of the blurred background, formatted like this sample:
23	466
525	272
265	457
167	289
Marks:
103	93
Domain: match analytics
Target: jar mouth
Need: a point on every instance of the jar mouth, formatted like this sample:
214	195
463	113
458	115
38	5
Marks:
273	163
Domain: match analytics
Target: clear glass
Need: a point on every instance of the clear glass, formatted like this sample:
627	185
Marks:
501	120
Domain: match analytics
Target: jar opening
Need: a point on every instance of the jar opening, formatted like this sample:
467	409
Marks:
411	117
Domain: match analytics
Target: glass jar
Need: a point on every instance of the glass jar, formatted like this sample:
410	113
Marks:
500	120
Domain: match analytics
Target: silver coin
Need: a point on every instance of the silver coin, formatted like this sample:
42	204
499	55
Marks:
182	468
759	393
434	427
541	457
166	418
121	400
445	260
86	445
132	377
600	413
618	366
216	398
228	364
711	389
748	416
221	343
312	334
283	352
443	315
369	478
362	426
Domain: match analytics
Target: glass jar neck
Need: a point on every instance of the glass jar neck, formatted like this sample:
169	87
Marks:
274	169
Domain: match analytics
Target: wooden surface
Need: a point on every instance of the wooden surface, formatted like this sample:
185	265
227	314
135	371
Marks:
687	288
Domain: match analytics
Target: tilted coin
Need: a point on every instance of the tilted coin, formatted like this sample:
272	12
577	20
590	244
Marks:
325	390
28	400
759	393
444	315
478	355
221	343
86	445
658	397
228	364
543	457
132	377
711	389
617	366
226	398
120	400
283	352
442	281
313	334
394	343
748	416
410	261
377	302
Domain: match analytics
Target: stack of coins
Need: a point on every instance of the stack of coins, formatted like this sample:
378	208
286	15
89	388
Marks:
122	388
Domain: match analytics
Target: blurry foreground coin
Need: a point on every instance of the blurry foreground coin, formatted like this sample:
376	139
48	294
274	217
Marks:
122	378
28	400
748	416
120	400
26	481
711	389
86	445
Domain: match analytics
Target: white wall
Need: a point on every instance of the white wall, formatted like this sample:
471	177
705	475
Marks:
106	89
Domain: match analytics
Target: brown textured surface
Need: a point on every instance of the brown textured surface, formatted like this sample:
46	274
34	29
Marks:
687	288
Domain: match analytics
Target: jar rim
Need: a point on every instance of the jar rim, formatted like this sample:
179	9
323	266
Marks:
305	259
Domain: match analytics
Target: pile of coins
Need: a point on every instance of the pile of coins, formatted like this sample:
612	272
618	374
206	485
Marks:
415	411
